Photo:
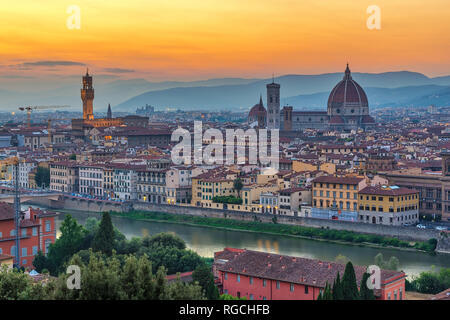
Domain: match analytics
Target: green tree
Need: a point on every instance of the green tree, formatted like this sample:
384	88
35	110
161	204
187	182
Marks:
70	241
391	264
230	297
337	289
349	286
105	236
12	283
165	240
364	292
238	185
179	290
326	294
205	279
42	177
432	282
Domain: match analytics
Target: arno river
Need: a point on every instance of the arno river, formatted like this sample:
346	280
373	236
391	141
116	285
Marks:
205	241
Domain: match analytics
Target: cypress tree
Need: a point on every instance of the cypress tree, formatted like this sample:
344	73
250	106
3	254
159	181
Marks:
104	238
319	297
327	294
364	292
349	286
337	289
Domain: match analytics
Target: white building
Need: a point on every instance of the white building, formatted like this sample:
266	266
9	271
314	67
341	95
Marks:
25	168
91	180
125	181
292	200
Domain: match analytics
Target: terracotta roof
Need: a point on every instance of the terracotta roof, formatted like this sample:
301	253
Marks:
367	119
184	277
444	295
336	120
305	271
292	190
6	211
387	191
347	92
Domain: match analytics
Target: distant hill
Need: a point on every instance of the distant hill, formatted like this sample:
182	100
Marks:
301	91
113	92
382	97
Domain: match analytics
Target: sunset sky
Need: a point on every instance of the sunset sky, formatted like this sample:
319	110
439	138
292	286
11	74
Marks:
199	39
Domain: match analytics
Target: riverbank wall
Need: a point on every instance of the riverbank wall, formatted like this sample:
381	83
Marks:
92	205
403	233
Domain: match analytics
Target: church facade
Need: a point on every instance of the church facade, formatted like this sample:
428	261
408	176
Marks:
347	109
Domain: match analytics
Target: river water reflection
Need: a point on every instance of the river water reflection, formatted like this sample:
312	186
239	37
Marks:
205	241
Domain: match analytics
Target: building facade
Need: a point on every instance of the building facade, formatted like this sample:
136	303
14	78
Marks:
434	189
37	231
386	205
91	180
266	276
179	185
336	197
64	176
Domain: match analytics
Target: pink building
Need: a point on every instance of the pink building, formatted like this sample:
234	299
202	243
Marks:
266	276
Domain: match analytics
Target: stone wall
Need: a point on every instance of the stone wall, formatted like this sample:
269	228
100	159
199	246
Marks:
443	245
404	233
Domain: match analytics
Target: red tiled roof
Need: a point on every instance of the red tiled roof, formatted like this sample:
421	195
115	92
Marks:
444	295
292	190
379	190
184	277
336	120
290	269
334	179
6	211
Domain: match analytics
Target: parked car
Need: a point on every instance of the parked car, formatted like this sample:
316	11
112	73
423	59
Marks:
421	226
441	228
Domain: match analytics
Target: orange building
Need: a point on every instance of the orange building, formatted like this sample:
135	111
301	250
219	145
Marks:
37	231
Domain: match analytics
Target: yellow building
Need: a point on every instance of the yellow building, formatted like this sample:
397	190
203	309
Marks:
337	192
210	184
251	194
388	205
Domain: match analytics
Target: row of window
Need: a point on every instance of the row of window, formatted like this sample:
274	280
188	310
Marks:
34	251
380	208
391	199
34	231
341	194
334	186
264	283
